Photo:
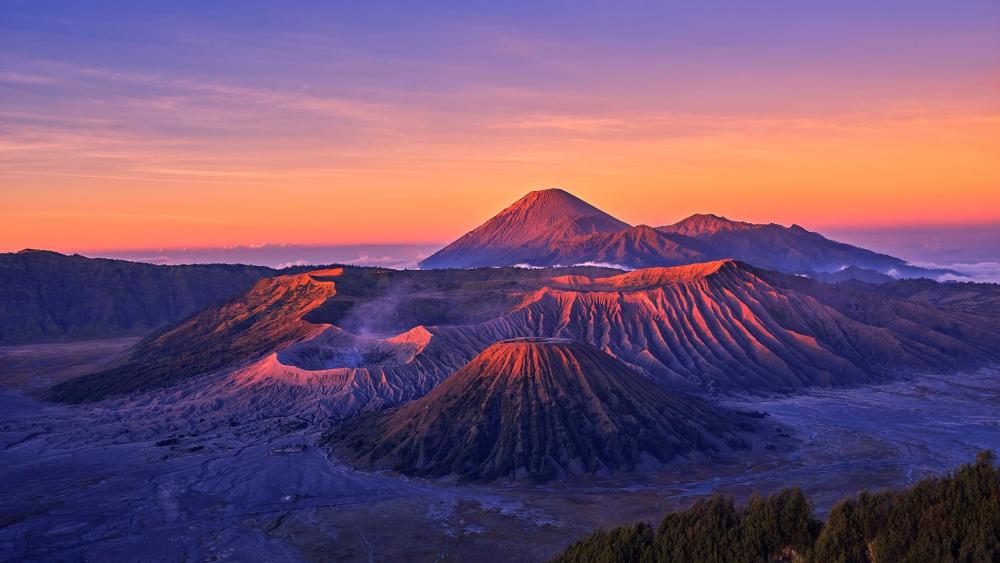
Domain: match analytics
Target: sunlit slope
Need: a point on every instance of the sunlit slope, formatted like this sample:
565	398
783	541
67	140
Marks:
715	327
539	408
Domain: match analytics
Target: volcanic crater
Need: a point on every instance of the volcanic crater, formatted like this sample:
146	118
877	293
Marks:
540	408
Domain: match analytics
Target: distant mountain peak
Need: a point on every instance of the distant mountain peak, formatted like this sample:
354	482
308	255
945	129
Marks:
708	217
537	220
39	251
551	193
553	227
638	233
644	229
554	205
702	224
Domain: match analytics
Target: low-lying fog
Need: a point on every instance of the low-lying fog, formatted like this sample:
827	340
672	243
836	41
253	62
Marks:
135	481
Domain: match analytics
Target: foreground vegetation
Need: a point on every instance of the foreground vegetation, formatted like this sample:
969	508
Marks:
952	518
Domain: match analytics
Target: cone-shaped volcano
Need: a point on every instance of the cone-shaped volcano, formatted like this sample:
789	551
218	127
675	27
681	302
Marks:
534	225
538	408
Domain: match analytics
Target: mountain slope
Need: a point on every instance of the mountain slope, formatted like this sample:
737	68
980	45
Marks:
635	247
319	329
532	224
852	274
553	228
786	249
268	317
538	408
980	298
725	326
701	225
716	327
46	296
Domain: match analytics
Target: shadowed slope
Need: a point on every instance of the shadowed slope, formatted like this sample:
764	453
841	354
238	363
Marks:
635	247
538	408
980	298
852	274
47	296
786	249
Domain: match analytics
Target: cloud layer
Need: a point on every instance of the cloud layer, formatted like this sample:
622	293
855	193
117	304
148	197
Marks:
984	272
283	255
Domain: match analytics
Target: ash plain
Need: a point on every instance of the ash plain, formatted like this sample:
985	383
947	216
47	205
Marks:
171	476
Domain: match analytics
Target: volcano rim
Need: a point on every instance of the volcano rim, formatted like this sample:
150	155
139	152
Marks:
553	340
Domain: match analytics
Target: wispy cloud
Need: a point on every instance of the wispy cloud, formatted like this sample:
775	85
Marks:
139	216
575	123
292	263
208	172
12	78
327	105
983	272
111	177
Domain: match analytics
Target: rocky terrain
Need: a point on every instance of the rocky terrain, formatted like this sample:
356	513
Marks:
202	441
357	366
725	327
541	409
717	327
176	475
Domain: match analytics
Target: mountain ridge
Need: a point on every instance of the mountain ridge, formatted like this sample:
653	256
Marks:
48	296
541	229
720	327
787	249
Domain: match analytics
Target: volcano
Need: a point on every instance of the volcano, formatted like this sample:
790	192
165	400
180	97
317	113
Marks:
539	408
267	317
725	326
365	339
534	225
555	228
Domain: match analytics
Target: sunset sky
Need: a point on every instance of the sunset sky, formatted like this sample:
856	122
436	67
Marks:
131	125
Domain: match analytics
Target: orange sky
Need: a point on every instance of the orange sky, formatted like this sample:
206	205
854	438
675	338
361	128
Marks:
393	147
898	170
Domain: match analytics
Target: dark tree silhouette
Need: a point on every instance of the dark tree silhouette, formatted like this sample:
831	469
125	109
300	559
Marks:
951	518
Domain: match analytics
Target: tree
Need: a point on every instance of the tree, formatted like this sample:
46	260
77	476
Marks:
951	518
